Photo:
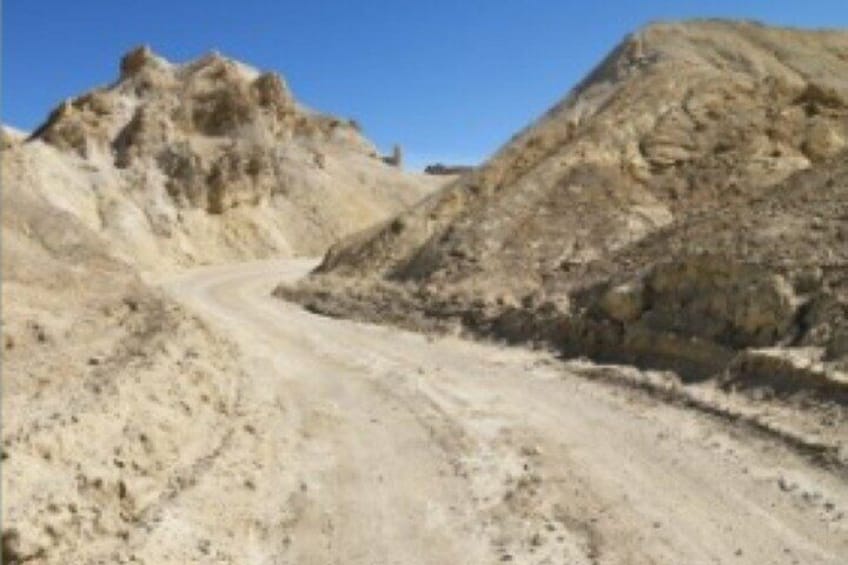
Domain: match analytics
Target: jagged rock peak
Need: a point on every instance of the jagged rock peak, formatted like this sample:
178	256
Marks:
155	103
138	58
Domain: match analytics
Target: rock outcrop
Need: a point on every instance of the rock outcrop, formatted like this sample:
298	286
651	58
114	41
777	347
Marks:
396	158
212	160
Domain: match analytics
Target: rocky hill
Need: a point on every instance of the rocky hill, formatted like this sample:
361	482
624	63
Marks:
207	161
170	166
673	169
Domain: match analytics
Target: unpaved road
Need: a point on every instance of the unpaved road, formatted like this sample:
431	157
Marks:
370	445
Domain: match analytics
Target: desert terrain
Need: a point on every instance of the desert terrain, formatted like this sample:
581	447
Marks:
234	332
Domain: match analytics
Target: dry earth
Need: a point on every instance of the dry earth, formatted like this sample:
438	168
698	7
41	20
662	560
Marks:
362	444
157	415
296	438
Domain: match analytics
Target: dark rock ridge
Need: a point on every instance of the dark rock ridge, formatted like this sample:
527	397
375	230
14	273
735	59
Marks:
442	169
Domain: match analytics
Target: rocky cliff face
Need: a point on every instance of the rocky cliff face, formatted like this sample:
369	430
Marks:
682	122
208	161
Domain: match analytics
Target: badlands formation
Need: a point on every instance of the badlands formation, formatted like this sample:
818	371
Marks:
208	161
683	208
171	166
682	215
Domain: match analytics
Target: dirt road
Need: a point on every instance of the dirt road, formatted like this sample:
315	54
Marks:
370	445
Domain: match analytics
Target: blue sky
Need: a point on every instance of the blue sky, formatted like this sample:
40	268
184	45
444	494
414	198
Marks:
449	80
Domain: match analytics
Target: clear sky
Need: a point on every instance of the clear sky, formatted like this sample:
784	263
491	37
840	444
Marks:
449	80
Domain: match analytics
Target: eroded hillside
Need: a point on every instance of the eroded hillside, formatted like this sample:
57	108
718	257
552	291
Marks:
106	383
657	215
207	161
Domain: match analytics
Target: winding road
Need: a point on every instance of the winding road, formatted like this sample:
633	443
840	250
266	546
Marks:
370	445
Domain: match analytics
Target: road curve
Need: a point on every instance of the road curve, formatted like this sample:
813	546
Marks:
371	445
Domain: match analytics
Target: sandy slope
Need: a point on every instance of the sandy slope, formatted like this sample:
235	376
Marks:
364	444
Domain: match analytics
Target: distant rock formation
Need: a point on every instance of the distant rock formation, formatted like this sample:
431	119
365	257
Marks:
396	158
442	169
